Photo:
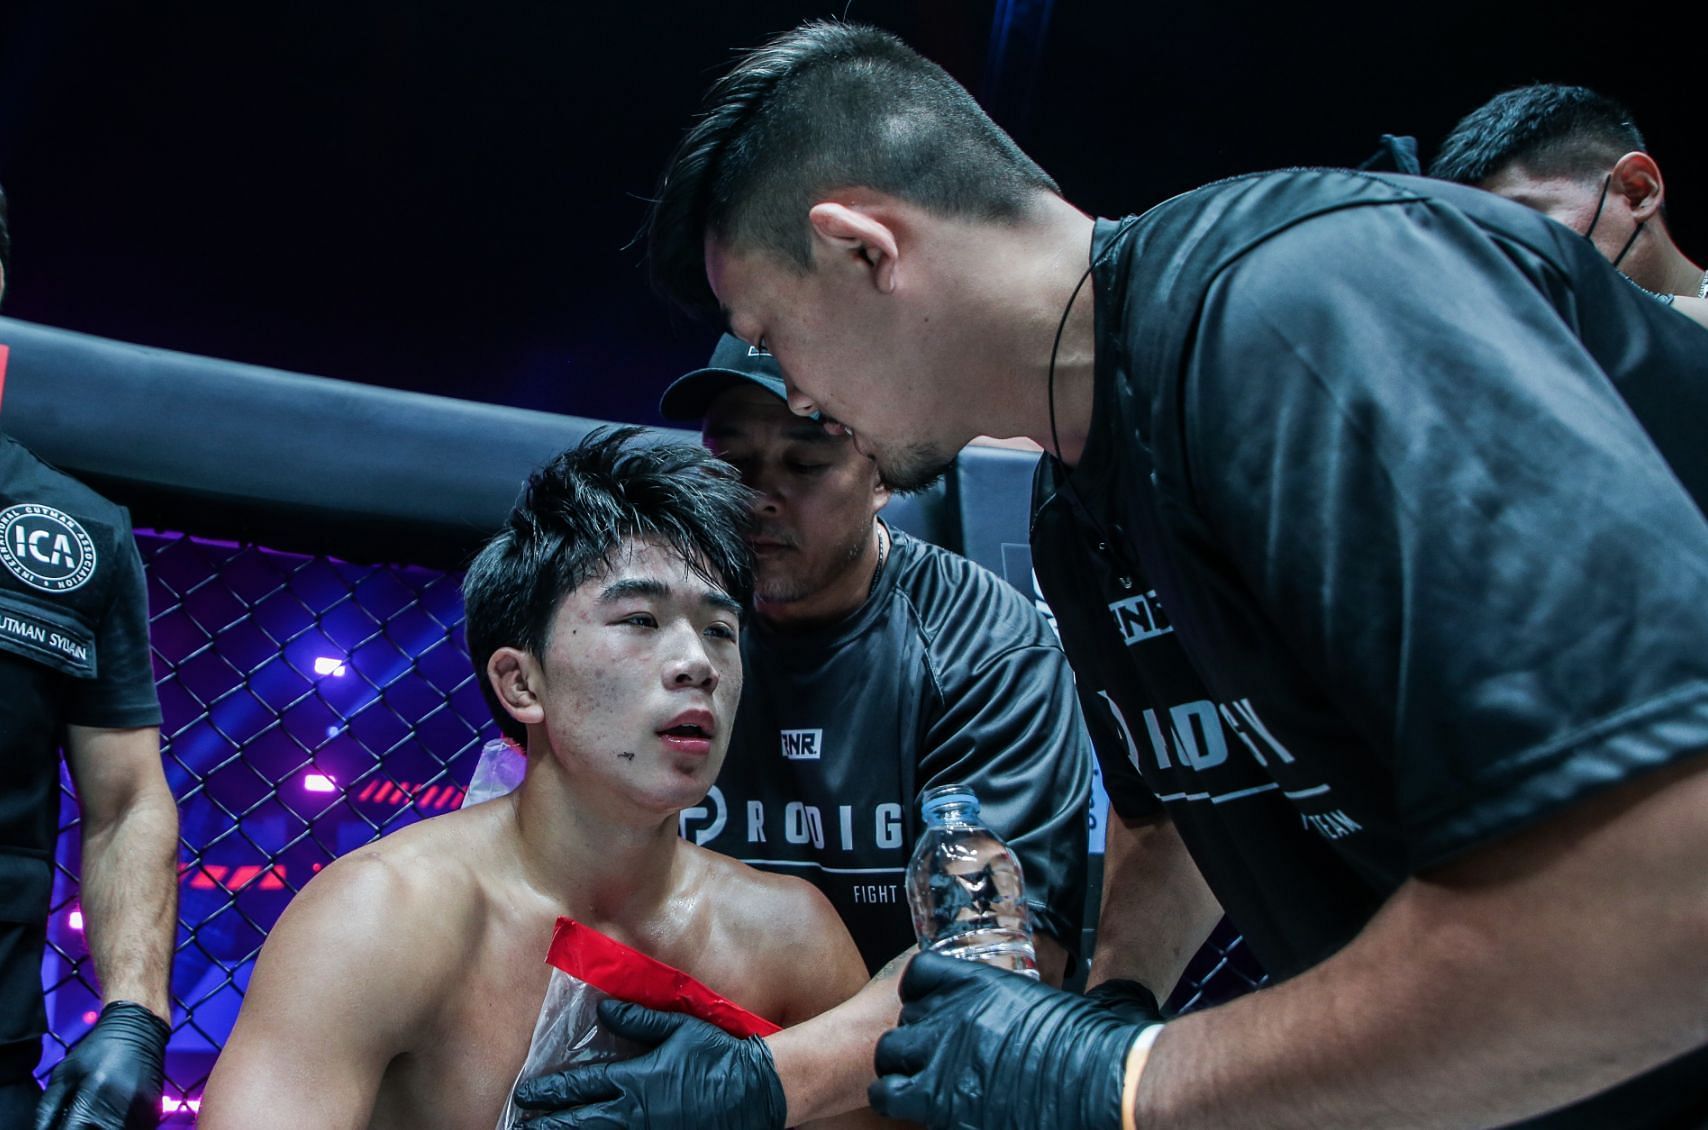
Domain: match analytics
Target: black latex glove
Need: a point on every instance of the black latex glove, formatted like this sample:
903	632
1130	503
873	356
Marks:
980	1048
1128	1000
697	1075
113	1078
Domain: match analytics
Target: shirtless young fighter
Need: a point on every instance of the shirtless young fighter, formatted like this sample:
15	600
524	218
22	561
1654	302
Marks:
400	989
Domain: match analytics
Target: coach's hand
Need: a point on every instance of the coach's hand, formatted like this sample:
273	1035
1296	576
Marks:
113	1078
984	1049
695	1075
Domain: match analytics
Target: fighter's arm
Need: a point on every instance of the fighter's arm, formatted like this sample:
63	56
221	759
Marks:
1506	983
129	879
824	1053
335	997
825	1063
1157	909
802	944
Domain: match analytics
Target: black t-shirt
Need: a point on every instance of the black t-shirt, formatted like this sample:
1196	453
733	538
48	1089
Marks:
73	650
1378	549
945	674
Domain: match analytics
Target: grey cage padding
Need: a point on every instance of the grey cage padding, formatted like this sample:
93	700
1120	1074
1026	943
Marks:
296	462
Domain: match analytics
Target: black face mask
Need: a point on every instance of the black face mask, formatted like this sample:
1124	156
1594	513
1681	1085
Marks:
1601	203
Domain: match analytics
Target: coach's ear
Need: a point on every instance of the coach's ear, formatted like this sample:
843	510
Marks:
856	236
513	675
1636	179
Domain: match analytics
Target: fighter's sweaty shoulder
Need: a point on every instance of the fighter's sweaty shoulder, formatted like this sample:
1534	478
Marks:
770	943
485	979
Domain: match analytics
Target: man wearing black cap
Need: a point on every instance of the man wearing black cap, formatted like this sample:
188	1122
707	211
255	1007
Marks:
75	674
876	666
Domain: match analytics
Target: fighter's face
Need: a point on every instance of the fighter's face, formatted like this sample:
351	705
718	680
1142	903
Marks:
815	493
1570	199
640	678
842	353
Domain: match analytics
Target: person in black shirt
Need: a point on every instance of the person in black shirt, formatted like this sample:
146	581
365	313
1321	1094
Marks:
877	666
1373	519
1577	157
75	671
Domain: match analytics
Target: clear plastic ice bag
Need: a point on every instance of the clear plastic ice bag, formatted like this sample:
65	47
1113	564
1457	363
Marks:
566	1034
499	771
587	967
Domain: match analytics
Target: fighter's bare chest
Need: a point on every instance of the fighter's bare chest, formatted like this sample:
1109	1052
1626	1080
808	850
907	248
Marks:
460	1070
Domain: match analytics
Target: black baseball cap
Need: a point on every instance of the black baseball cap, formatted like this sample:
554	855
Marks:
733	362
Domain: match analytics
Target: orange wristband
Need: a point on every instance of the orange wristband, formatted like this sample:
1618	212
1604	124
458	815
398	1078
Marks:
1136	1057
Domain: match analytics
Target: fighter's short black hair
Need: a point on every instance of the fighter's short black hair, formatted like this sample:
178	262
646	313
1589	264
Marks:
576	512
1554	130
827	105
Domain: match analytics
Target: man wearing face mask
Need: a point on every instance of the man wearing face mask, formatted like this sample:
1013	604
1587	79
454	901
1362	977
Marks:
1577	157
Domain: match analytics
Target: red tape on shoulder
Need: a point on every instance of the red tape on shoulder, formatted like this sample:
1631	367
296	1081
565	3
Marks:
627	974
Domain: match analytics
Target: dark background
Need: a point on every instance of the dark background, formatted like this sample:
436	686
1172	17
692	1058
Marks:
438	195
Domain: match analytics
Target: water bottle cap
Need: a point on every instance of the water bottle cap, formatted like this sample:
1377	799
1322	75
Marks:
935	800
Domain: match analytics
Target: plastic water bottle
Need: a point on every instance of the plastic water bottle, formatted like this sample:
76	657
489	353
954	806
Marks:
964	886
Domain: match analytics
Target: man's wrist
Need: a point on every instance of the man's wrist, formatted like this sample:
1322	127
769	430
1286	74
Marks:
149	1004
158	1026
1138	1054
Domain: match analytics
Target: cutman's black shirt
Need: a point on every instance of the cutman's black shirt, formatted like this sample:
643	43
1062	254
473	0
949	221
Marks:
1386	543
945	674
73	650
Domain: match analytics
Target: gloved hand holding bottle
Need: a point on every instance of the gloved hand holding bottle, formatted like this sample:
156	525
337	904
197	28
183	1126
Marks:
981	1048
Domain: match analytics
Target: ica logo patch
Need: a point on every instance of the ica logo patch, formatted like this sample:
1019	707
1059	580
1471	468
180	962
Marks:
803	745
46	548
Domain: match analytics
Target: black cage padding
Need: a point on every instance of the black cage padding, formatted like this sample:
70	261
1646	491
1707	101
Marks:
307	464
300	463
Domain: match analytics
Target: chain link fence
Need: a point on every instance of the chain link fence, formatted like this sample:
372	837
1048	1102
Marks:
311	705
1223	969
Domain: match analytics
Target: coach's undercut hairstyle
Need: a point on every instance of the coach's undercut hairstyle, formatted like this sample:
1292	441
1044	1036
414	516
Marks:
828	105
576	513
1553	130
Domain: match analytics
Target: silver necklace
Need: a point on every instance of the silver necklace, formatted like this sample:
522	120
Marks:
883	555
